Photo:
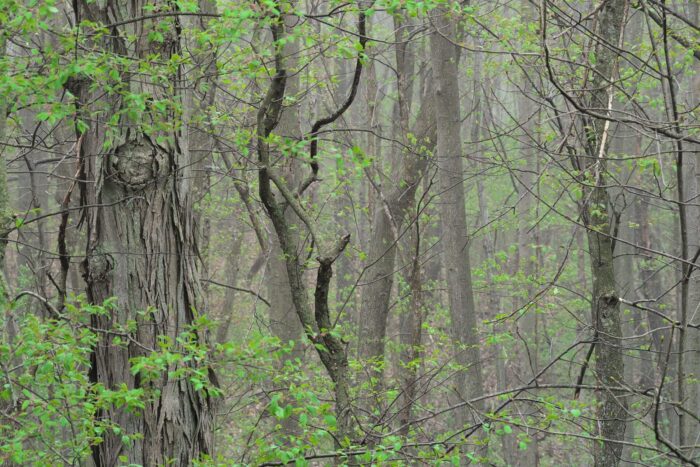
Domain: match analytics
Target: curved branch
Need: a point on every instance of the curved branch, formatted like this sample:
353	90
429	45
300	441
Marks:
316	127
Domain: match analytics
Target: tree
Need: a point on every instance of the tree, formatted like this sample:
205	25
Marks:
598	217
142	244
455	240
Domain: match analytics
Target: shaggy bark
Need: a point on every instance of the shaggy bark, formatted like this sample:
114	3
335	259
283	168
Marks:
141	249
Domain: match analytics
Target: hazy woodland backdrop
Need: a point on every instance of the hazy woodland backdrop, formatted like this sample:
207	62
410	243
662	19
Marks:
365	232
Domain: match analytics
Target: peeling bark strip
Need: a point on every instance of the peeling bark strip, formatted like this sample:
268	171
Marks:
142	251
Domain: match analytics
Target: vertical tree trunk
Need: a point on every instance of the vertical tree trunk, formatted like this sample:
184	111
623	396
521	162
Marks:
284	322
389	211
9	324
4	193
316	320
606	319
201	140
455	240
231	270
650	287
142	250
493	308
597	215
691	174
530	117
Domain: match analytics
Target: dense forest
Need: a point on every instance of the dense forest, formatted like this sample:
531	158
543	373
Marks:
349	232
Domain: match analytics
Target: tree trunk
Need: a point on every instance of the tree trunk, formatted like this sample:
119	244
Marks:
691	198
231	270
201	140
284	322
4	193
142	250
390	216
316	320
455	240
9	324
598	217
389	210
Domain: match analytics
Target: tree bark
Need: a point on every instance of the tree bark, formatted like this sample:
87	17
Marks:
284	322
691	199
597	214
142	250
4	192
390	209
455	240
9	323
316	319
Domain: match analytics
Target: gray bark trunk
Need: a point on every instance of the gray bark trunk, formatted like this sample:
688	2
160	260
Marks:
200	138
142	250
284	322
4	194
597	214
390	208
691	174
9	326
455	240
530	117
231	271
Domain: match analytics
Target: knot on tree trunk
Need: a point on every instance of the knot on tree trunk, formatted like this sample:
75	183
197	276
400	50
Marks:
97	266
137	164
609	299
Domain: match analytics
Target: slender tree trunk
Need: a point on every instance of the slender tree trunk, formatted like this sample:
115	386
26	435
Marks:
455	240
650	287
9	324
201	140
598	217
231	270
494	308
530	117
410	328
316	319
606	314
391	209
4	193
389	212
691	183
284	322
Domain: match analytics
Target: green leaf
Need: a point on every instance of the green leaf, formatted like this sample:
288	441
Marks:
330	420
